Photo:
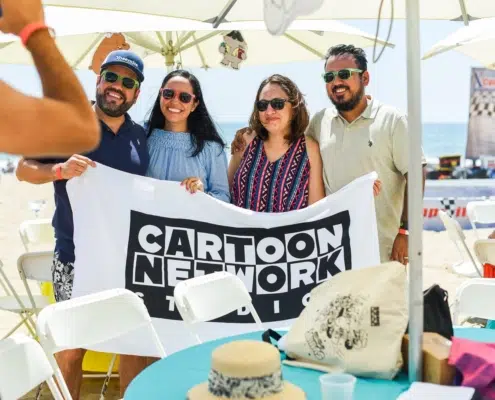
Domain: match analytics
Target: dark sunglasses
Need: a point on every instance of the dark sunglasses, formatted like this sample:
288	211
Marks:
184	97
277	104
112	77
343	74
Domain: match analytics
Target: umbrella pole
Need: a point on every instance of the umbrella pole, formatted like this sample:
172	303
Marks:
415	190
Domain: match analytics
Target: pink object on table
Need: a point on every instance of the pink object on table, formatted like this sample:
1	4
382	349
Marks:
476	362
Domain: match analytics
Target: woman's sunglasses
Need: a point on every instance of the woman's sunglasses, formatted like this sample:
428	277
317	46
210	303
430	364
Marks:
184	97
112	77
277	104
343	74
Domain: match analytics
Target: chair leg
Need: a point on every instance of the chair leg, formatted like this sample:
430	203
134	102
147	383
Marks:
59	378
108	377
13	330
54	389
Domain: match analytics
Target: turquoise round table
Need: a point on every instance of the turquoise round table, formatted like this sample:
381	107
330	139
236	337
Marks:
172	376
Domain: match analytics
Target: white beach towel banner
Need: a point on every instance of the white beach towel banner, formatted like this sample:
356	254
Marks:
147	235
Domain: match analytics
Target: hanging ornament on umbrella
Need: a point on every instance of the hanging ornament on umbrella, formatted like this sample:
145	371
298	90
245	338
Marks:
234	49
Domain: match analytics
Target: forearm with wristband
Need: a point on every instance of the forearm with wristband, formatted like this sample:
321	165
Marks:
27	32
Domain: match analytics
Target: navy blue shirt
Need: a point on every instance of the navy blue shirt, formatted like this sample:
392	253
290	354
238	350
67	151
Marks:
125	151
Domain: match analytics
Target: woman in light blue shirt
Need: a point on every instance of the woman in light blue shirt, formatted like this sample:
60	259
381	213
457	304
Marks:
183	143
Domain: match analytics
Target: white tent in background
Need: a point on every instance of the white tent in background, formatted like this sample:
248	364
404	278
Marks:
216	11
477	40
164	41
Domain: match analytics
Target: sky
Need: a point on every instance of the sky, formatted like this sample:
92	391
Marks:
230	94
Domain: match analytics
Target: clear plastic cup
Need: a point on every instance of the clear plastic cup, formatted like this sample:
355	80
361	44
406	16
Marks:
337	386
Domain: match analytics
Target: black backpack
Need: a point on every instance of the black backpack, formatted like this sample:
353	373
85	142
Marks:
436	311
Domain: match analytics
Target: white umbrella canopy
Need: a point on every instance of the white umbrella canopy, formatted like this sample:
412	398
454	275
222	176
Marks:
163	41
477	40
252	10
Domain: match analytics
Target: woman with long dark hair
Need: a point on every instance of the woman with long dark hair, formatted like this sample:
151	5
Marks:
183	142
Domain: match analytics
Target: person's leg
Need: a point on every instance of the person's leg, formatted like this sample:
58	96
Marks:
70	363
130	367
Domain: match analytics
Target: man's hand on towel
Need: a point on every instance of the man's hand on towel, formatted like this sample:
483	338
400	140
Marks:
75	166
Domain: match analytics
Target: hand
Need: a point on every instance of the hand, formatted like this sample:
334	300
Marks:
19	13
193	184
75	166
239	142
400	249
377	187
492	235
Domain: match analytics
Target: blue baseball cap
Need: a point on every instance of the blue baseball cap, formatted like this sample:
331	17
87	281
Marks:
126	59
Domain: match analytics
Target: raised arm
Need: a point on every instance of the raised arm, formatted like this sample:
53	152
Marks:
62	122
241	140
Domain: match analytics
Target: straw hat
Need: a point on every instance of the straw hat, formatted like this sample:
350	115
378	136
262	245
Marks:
246	369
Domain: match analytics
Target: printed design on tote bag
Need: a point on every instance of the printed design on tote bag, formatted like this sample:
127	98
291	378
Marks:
341	325
315	344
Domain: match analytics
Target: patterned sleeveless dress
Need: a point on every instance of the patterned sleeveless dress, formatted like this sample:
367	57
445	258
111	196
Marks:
283	185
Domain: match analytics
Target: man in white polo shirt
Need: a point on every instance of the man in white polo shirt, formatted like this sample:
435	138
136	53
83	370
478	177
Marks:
361	135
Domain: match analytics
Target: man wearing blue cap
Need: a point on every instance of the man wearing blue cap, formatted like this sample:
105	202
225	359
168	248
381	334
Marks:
123	147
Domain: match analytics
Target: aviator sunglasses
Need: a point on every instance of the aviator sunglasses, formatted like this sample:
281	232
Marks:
343	74
277	104
184	97
112	77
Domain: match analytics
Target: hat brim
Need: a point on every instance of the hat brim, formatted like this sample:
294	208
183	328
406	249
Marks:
292	392
139	75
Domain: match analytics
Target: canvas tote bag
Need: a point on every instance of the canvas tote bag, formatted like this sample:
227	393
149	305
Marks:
353	323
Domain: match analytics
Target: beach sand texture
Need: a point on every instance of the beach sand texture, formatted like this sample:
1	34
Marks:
439	254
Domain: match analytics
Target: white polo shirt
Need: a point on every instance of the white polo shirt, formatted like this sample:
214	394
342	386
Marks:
375	141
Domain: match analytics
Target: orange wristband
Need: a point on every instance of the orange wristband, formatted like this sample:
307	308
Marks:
403	232
58	172
31	28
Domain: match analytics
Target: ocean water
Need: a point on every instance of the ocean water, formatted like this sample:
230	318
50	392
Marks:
438	138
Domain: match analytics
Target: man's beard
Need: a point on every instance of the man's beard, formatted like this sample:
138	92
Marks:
111	109
350	104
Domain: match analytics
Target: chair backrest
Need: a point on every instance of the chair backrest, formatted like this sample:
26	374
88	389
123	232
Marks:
475	298
482	212
23	366
36	265
90	320
485	250
454	229
457	235
37	232
208	297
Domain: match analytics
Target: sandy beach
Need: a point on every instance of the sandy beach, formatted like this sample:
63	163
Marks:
439	252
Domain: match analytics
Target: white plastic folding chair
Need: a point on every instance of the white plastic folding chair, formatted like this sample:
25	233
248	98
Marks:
484	249
208	297
37	266
464	267
475	298
37	232
480	212
89	321
23	305
23	366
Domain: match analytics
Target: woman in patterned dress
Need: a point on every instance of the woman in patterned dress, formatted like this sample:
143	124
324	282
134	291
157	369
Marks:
279	169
